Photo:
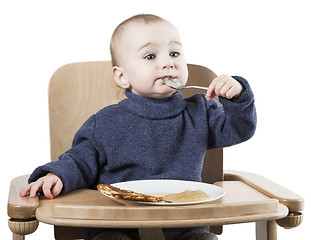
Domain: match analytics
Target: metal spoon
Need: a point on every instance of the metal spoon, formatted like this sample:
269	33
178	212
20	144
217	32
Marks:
173	83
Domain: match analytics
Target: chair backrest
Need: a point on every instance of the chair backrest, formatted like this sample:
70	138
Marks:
78	90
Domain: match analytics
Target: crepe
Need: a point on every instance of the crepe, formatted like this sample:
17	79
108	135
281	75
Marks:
128	195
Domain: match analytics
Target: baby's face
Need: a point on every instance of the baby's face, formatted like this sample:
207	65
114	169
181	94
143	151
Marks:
149	52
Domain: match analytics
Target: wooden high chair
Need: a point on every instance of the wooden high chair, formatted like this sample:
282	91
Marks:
78	90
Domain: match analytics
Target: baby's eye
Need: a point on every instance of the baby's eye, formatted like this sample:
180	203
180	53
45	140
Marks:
174	54
150	57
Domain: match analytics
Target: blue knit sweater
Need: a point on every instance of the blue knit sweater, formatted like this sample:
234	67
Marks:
146	138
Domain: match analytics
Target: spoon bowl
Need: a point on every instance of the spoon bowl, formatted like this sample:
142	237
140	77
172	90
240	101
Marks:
175	84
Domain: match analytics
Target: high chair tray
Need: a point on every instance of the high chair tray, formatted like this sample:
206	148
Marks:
241	203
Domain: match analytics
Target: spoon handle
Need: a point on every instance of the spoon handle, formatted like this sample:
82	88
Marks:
205	88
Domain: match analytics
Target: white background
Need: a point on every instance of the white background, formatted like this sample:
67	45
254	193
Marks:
267	42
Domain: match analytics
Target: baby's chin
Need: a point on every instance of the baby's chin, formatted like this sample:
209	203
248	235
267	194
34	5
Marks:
165	94
161	90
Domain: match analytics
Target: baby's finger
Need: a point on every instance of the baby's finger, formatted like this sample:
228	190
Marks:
210	93
224	89
46	188
230	93
57	188
211	87
35	187
210	96
219	86
25	190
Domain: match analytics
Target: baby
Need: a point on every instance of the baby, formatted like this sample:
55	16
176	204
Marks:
154	133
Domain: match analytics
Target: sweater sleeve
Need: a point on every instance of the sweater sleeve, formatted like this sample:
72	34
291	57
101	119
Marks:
234	122
77	167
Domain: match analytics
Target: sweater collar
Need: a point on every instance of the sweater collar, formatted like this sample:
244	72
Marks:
153	108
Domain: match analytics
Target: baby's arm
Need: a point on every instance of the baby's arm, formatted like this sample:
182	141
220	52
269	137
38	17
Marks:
235	120
51	185
224	86
77	168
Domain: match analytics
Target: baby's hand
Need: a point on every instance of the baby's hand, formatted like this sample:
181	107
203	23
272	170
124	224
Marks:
224	86
51	185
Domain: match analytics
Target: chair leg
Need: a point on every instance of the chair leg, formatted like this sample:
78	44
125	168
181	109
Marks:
266	230
22	227
18	237
151	234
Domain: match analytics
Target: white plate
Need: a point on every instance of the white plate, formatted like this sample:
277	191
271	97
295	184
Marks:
168	186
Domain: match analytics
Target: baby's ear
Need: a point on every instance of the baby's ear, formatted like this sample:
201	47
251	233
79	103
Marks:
120	77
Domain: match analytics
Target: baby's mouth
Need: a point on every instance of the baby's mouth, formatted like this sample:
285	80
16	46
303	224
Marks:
167	76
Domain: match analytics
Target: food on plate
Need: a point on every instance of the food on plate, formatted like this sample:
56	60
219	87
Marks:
128	195
186	196
182	197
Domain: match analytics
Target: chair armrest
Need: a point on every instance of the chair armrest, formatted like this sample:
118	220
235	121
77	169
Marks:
293	201
21	207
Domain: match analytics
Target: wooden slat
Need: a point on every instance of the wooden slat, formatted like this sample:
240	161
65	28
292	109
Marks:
76	91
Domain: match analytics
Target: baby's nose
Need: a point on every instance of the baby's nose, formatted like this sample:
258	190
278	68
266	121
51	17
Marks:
168	65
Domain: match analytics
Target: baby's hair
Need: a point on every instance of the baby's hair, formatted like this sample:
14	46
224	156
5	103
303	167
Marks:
140	18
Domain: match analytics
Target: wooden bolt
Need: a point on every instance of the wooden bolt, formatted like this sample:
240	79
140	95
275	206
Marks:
22	227
293	219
